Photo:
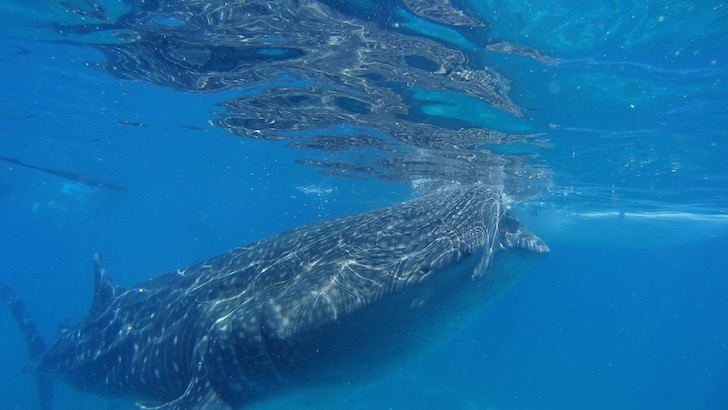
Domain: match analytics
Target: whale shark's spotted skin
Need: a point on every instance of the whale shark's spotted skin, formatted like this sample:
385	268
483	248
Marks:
328	301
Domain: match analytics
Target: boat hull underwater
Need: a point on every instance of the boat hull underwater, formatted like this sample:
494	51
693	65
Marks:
333	301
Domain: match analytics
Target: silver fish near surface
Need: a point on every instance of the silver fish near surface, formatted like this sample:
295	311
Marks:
339	299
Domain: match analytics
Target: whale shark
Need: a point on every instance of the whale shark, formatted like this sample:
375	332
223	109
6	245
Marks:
77	178
336	300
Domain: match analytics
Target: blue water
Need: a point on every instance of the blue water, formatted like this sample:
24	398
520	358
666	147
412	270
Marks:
614	150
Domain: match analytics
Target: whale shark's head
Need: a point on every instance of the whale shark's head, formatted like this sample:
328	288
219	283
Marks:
386	283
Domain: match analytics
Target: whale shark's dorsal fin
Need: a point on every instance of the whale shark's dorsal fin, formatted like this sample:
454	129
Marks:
105	290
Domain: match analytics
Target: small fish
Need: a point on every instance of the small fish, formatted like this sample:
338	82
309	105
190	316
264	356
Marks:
133	123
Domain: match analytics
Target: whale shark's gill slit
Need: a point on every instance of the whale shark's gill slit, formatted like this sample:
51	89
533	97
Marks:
266	335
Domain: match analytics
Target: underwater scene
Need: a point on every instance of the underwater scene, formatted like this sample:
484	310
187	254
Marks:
397	204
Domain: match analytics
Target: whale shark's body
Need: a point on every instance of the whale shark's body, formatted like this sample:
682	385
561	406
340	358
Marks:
333	300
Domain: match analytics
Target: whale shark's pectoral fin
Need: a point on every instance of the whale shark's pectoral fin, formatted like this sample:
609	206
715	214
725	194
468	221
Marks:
199	400
199	395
